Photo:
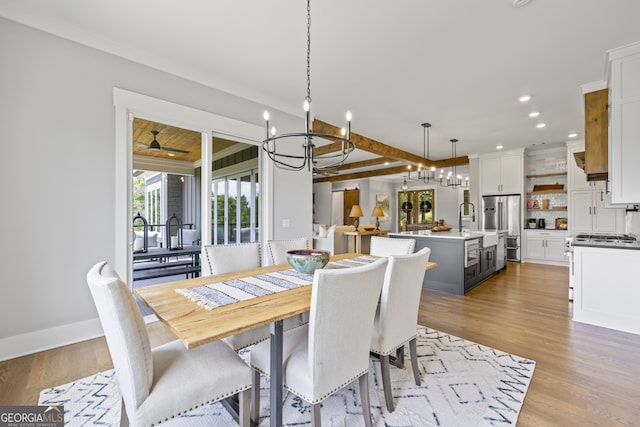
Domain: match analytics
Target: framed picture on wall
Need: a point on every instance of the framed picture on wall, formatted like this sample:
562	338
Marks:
383	201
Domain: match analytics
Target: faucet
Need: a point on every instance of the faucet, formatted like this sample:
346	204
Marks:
473	215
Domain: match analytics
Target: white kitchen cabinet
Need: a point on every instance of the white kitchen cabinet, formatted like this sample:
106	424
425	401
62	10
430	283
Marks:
606	291
624	149
545	247
502	174
588	204
588	214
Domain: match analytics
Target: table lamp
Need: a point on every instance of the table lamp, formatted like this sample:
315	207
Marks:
356	212
377	212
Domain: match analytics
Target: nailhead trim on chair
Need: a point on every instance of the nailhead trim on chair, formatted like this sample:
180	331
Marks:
320	399
206	253
386	353
208	402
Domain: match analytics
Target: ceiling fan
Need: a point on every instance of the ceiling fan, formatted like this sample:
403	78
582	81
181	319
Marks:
155	145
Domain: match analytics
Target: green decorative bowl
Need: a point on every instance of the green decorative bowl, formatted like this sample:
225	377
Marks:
307	260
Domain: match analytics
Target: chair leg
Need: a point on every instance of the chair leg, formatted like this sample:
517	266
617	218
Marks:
244	404
316	420
255	397
386	382
400	357
414	361
364	398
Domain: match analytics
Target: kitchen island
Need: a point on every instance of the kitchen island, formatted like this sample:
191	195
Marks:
465	259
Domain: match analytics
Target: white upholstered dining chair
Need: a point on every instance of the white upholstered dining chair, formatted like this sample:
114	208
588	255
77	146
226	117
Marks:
277	249
397	315
167	381
385	246
219	259
333	349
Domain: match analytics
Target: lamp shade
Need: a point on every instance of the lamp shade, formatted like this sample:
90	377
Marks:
356	211
377	211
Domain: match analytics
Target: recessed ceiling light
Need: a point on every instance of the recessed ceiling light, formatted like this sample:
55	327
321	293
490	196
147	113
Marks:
540	125
386	163
534	114
524	98
572	135
499	147
170	154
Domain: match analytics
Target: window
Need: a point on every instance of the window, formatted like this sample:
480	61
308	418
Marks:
154	202
235	208
416	209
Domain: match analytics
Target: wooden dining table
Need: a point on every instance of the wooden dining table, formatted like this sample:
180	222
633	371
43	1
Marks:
195	325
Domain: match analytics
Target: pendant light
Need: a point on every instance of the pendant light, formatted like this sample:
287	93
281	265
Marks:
427	174
307	159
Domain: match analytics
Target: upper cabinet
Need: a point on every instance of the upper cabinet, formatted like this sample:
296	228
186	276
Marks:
596	130
588	205
502	174
624	147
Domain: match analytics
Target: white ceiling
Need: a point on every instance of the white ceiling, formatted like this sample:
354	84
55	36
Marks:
459	64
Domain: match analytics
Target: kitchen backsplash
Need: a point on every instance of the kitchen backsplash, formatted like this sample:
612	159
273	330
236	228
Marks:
542	162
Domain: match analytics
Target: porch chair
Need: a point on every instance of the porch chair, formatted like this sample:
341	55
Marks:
333	349
385	246
277	249
219	259
167	381
397	315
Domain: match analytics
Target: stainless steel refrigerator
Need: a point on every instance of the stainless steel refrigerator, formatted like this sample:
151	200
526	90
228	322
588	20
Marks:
503	213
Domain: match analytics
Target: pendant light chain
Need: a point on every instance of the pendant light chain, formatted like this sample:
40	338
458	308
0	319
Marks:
322	163
309	51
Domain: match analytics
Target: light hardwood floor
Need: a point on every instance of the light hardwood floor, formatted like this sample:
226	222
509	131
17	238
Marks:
584	375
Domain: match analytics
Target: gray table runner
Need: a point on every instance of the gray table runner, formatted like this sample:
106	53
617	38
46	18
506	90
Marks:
230	291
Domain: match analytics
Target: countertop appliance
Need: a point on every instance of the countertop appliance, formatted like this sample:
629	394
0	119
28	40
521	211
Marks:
503	213
541	223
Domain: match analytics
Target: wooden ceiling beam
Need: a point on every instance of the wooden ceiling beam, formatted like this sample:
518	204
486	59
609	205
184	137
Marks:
440	164
365	144
365	163
448	163
361	175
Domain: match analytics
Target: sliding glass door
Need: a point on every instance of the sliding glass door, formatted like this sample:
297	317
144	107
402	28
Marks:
235	208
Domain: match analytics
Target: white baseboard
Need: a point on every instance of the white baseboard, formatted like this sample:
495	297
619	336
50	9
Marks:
45	339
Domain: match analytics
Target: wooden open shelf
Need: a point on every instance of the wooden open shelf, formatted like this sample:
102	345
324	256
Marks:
545	175
547	210
546	191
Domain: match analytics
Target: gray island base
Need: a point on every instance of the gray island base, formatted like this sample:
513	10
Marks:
463	261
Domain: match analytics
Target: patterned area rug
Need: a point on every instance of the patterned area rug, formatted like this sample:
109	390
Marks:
463	384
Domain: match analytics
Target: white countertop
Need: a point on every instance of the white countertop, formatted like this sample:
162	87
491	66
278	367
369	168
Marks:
453	234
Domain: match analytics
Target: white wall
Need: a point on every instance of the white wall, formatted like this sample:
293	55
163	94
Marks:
57	177
322	203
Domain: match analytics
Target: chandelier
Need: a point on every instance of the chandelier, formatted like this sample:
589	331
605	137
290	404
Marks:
425	175
296	162
452	179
